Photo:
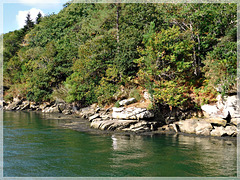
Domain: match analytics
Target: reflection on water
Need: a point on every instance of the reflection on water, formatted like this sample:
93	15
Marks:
131	144
34	146
178	154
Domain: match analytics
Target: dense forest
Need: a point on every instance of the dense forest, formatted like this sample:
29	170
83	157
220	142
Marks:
182	54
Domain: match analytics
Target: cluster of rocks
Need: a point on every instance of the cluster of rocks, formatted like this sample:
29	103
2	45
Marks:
223	107
222	122
124	119
221	119
204	127
45	107
120	118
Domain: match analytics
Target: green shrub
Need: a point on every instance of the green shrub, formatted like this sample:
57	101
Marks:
135	94
117	104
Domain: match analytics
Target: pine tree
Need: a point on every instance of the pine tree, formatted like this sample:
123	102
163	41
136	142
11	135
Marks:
39	18
29	22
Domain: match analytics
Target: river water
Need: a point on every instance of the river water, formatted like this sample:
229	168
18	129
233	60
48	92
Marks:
39	147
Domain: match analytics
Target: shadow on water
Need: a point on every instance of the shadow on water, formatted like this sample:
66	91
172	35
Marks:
36	146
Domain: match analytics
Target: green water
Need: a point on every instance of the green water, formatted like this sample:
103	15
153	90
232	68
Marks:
37	147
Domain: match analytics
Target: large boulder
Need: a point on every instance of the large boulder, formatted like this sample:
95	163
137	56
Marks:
194	126
87	111
218	131
231	130
91	118
52	109
235	121
11	106
127	101
223	108
14	105
231	106
188	125
44	105
111	124
227	131
131	113
216	121
210	110
203	128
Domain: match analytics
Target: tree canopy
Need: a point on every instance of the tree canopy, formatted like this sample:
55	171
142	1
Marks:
180	53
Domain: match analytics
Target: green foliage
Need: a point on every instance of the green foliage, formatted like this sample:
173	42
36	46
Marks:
60	93
179	52
221	63
134	21
105	92
204	95
150	107
29	22
39	18
171	92
166	62
135	94
117	104
167	55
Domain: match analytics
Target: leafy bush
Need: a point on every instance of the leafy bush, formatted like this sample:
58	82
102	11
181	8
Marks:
104	92
221	64
135	94
117	104
204	95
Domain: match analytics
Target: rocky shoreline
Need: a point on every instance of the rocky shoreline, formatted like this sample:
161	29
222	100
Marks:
220	119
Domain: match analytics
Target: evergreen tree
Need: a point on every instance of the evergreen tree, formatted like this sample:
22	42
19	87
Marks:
29	22
39	17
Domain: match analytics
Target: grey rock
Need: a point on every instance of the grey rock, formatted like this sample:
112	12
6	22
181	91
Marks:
174	127
86	112
218	131
146	96
61	107
33	106
164	128
132	113
44	105
127	101
97	110
25	105
220	103
188	125
111	124
52	109
231	106
216	121
235	121
12	106
66	112
203	128
138	125
91	118
95	124
231	130
210	110
227	131
115	109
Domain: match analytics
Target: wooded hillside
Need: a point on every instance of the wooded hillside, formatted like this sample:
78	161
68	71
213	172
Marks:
87	53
